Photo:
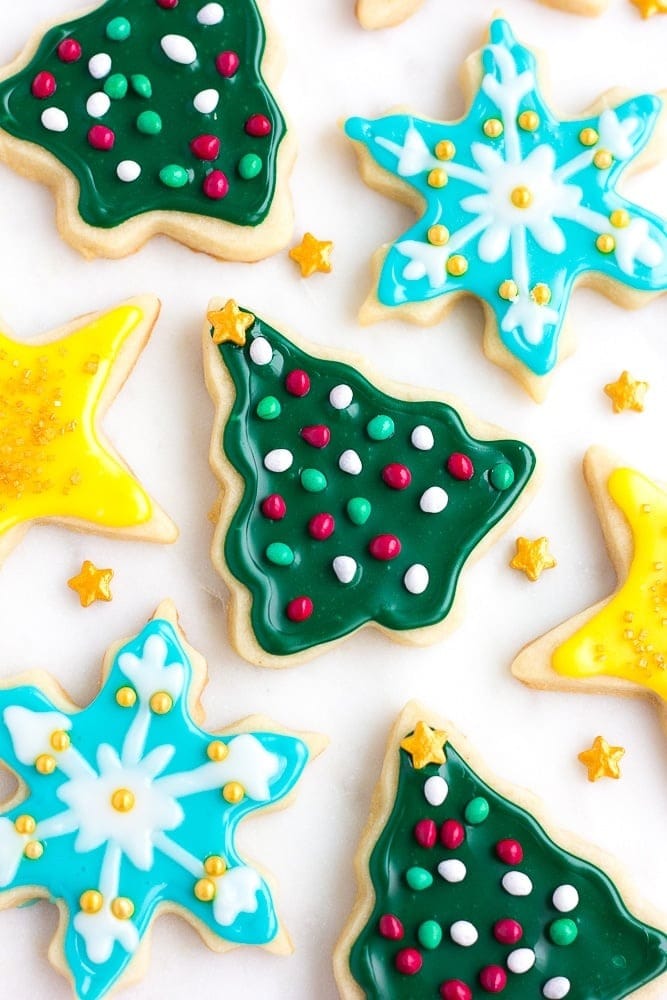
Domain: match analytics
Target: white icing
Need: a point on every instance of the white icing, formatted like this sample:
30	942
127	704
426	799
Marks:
416	579
556	988
128	171
211	13
565	898
278	460
350	462
435	790
422	438
98	104
433	500
150	672
531	317
101	931
261	351
345	568
179	49
236	892
340	397
615	134
634	243
452	870
517	883
55	120
99	65
30	732
247	762
521	960
463	933
206	101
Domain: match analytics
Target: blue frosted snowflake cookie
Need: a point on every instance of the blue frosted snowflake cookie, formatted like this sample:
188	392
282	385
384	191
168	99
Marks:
128	808
516	207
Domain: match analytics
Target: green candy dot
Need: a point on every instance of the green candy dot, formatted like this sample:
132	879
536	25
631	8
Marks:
418	878
563	931
173	176
118	29
115	86
141	85
358	510
268	408
149	122
501	476
430	934
477	811
380	428
249	166
279	554
313	481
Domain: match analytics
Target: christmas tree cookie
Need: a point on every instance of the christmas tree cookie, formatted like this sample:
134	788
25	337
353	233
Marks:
55	463
154	116
345	500
385	13
516	207
466	890
128	809
619	646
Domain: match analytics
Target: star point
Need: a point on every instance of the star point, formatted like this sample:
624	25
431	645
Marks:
312	255
91	584
626	393
533	557
230	324
602	760
425	746
647	8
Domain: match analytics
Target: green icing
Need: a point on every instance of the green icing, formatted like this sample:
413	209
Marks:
363	506
168	87
607	956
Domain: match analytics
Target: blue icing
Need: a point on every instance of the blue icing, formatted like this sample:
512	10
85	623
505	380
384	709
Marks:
178	808
551	242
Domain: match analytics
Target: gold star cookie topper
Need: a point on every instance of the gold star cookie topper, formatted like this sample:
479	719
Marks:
532	557
91	584
626	393
55	463
425	746
647	8
230	324
312	255
602	760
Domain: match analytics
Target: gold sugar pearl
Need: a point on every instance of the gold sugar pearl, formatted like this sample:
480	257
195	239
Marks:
509	290
445	150
34	850
123	800
437	178
205	890
25	825
91	901
521	197
603	159
60	740
215	866
492	128
217	750
233	792
45	764
588	137
528	120
619	218
457	265
541	294
161	703
126	697
606	243
438	235
122	908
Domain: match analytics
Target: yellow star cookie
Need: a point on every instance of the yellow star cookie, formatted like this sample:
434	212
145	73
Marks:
425	746
230	324
55	463
602	760
626	393
91	584
312	255
647	8
533	557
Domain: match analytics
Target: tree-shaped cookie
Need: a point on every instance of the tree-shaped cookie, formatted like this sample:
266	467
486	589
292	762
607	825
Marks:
343	502
128	809
465	891
516	207
153	116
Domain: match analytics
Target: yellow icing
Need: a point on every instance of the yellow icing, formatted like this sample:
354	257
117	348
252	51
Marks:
628	637
52	463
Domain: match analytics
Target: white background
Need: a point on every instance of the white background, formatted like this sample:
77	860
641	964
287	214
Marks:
161	424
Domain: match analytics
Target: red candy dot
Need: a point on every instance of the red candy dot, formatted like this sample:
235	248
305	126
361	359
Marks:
69	50
297	383
215	185
460	466
452	834
167	4
227	64
385	547
507	931
44	85
318	435
409	961
455	989
391	927
397	476
299	609
426	833
274	507
321	526
205	147
510	851
101	137
493	979
258	125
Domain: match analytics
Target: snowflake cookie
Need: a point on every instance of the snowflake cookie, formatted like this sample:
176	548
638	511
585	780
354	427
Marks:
517	207
346	500
154	116
128	809
466	890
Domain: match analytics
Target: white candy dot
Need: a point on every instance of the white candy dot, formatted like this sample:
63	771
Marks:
278	460
98	104
435	790
416	579
517	884
340	397
350	462
422	438
55	120
556	988
433	500
452	870
261	351
521	960
128	171
206	101
211	13
565	898
100	65
345	568
464	933
179	49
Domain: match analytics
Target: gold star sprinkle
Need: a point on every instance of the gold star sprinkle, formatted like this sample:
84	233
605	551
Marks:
425	746
626	393
312	255
533	557
602	760
230	324
91	584
647	8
